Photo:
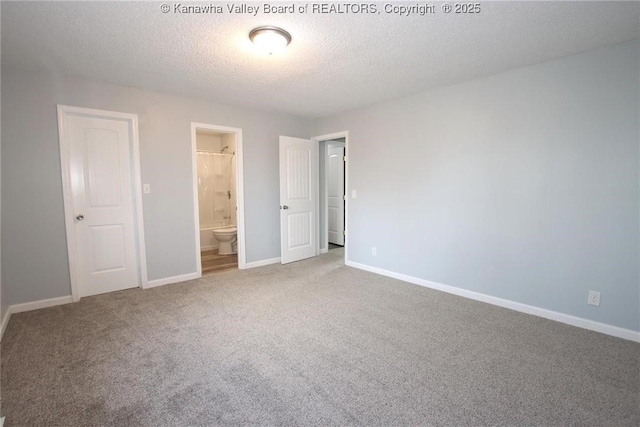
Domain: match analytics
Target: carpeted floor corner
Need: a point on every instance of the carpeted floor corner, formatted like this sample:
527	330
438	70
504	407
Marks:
310	343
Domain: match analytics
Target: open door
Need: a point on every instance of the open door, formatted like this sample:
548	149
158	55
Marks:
298	198
335	194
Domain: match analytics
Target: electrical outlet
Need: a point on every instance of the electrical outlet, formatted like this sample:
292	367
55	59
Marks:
594	298
146	188
354	194
374	251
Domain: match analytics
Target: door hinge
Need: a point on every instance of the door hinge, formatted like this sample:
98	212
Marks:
344	158
344	233
344	197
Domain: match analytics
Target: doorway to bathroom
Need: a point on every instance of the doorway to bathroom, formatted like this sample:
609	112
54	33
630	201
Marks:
218	197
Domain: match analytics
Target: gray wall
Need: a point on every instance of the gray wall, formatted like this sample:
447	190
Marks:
34	254
523	185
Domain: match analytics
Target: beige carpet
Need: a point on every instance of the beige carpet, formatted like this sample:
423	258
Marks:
311	343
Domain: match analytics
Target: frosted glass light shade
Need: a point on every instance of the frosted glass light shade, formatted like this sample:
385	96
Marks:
270	39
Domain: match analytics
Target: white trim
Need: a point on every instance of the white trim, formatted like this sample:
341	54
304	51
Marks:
242	257
324	251
208	248
580	322
5	322
174	279
37	305
67	201
196	207
63	112
263	262
137	176
30	306
328	137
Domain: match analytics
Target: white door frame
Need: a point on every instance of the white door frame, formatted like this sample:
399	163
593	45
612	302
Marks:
325	237
242	259
63	112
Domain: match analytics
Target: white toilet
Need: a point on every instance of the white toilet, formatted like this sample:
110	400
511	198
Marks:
226	237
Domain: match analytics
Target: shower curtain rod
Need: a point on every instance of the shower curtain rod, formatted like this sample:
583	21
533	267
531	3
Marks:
215	152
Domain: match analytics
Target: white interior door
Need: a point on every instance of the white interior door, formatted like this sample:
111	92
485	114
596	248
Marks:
298	198
335	192
99	151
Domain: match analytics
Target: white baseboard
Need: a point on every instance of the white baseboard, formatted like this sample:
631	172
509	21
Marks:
36	305
208	248
5	322
324	251
262	263
174	279
44	303
580	322
29	306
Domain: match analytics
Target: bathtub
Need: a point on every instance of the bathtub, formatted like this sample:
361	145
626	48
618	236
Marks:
207	241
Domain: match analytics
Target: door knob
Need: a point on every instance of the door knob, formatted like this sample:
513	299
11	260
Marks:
285	207
80	217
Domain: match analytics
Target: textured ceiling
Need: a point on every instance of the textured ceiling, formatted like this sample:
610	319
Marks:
335	63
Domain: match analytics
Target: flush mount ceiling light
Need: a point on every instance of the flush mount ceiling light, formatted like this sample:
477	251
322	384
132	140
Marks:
270	39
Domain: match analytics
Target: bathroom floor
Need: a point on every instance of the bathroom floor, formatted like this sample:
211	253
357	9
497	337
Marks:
212	261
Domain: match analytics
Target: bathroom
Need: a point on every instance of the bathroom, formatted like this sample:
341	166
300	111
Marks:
217	200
